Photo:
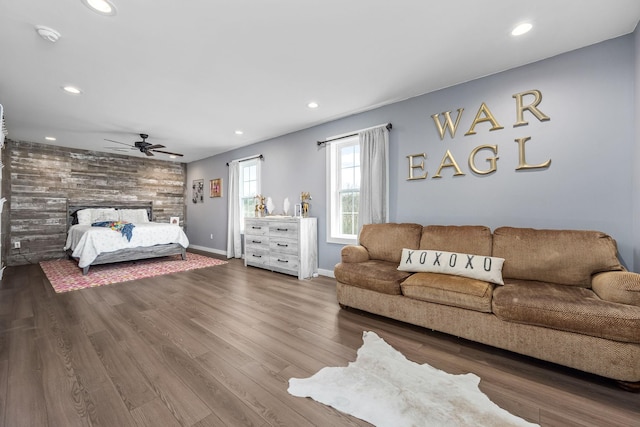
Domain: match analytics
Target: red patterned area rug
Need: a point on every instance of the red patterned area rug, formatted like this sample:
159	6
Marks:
65	275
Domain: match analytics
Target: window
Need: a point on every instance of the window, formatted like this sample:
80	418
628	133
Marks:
249	187
343	162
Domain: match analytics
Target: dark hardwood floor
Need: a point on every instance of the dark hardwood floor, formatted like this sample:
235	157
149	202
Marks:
217	346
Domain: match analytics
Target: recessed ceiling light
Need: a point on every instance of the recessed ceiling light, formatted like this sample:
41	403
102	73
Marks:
521	29
239	132
72	90
103	7
49	138
312	105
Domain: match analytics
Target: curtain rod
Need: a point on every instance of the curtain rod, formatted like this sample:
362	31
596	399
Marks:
260	156
389	126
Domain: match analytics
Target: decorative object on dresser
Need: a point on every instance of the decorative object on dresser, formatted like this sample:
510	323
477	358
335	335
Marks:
100	245
305	198
284	244
285	206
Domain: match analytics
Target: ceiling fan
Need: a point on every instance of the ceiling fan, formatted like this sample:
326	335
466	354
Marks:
146	147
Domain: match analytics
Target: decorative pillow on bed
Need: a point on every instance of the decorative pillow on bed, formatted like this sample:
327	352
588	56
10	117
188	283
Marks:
89	216
134	216
478	267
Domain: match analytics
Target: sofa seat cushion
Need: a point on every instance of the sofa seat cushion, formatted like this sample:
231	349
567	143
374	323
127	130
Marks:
567	308
375	275
450	290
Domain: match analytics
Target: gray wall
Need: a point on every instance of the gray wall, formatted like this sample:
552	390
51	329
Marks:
42	178
589	96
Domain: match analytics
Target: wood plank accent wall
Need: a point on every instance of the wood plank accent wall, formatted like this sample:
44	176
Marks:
44	177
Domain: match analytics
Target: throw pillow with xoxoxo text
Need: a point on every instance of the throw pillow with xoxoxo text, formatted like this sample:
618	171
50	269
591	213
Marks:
478	267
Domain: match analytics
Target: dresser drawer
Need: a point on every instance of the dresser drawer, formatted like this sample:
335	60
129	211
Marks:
284	229
279	245
284	262
256	227
257	242
257	257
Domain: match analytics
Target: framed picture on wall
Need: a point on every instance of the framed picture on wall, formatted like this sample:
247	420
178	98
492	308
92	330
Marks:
198	191
216	187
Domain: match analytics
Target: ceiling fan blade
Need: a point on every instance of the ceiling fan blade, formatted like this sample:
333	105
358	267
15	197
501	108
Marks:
153	147
117	142
169	153
148	153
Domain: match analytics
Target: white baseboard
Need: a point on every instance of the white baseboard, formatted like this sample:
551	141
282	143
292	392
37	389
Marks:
328	273
205	249
321	271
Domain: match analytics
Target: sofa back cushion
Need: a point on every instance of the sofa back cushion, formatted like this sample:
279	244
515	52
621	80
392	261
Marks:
565	257
468	239
385	241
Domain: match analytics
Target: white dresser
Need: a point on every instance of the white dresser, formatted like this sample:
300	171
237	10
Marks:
284	244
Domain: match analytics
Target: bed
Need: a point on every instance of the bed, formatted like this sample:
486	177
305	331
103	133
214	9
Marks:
93	245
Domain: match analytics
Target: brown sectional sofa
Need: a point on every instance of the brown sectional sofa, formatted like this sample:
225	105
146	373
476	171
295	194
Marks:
566	298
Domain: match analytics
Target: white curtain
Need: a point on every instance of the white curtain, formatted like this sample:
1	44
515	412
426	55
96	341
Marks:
374	176
234	240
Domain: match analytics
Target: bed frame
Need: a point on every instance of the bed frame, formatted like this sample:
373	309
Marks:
129	254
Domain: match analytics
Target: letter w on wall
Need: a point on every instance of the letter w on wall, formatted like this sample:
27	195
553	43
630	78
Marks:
448	123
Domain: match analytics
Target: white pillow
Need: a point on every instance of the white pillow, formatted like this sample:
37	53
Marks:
134	216
84	216
486	268
89	216
103	214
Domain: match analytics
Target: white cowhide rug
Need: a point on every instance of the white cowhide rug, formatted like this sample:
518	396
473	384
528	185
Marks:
385	389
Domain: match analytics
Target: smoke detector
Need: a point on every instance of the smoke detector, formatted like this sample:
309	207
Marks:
49	34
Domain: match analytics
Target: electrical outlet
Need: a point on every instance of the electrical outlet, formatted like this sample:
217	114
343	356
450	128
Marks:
211	236
16	245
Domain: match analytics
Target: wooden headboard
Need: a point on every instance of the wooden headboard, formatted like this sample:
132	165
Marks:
74	206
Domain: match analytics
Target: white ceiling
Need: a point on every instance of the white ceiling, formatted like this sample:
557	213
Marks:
190	73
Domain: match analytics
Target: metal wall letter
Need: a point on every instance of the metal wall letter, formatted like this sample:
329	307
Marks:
448	124
488	117
521	156
492	160
413	166
450	164
532	108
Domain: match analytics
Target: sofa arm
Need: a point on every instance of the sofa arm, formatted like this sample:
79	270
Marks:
617	286
354	253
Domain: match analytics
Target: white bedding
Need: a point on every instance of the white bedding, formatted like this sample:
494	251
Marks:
88	242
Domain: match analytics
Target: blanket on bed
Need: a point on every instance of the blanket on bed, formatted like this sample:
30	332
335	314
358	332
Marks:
125	228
